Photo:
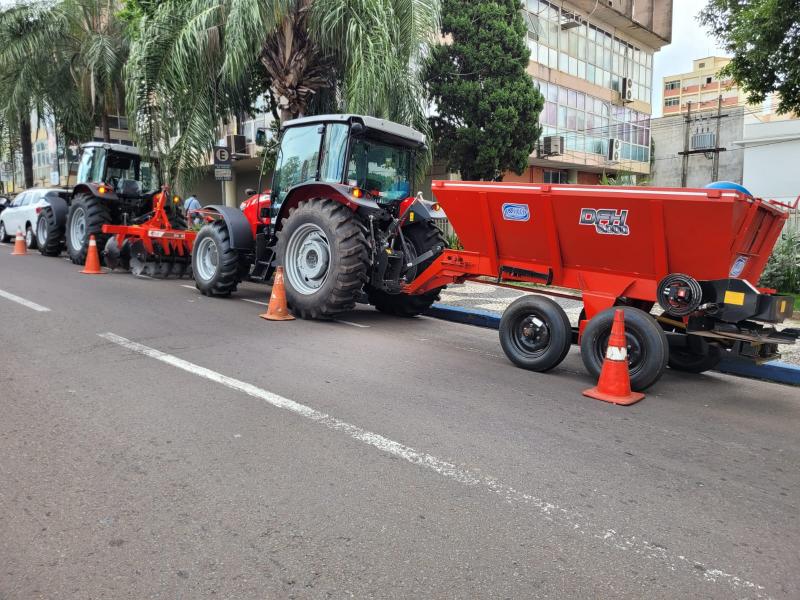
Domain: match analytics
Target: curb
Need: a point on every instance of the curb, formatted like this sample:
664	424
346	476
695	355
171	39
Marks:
776	371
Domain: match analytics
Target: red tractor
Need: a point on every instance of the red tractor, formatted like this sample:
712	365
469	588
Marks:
340	218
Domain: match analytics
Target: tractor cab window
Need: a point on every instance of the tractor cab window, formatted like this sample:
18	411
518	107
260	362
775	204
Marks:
334	153
91	166
382	170
129	167
297	160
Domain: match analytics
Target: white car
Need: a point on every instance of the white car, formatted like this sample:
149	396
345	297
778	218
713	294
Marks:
23	213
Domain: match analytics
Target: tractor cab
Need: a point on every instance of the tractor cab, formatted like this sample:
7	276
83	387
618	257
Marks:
121	168
366	159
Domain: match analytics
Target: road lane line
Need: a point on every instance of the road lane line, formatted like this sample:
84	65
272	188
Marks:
254	301
570	519
352	324
28	303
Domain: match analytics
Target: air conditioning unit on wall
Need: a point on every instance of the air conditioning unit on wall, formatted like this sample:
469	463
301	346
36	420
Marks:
627	89
237	144
614	149
553	145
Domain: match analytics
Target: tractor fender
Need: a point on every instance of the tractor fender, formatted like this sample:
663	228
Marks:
239	229
332	191
60	210
93	189
427	211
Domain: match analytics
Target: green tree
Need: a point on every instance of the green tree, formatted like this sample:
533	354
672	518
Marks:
194	62
487	105
763	37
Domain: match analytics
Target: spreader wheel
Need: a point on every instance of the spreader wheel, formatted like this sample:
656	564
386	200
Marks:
215	262
535	333
695	360
648	349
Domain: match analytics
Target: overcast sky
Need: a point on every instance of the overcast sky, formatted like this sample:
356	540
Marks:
689	41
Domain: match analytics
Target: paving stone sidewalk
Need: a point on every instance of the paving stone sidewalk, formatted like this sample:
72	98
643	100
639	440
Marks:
495	299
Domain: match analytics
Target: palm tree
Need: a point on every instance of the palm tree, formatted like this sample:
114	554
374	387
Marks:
193	63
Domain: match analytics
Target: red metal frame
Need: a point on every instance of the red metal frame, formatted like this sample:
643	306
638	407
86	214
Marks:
700	232
156	231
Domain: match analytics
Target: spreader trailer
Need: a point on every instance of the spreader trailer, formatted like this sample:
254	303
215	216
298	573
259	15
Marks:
696	253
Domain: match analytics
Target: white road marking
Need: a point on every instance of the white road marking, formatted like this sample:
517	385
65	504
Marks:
23	302
259	302
352	324
191	287
570	519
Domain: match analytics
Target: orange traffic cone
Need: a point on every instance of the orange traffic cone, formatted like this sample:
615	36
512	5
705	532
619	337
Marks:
614	384
20	248
277	309
92	265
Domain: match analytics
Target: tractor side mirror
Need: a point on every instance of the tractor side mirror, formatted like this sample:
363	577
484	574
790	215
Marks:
261	136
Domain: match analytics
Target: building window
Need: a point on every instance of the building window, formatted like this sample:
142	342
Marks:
672	85
555	176
672	102
701	66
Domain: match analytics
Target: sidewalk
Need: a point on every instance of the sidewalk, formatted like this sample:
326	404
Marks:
495	299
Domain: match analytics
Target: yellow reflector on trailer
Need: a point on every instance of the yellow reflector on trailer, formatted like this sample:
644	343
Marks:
736	298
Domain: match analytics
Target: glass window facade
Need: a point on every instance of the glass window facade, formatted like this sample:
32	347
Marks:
586	51
587	123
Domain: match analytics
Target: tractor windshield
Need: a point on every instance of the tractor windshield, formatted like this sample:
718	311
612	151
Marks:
380	169
121	166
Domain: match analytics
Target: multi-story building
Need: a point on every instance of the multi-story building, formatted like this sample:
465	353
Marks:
593	62
702	87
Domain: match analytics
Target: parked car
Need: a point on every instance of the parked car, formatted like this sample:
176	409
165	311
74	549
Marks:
23	212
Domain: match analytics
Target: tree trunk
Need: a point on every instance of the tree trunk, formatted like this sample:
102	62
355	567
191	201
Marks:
26	147
106	128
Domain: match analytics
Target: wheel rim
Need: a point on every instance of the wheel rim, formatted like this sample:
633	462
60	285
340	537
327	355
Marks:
2	231
207	261
77	229
307	260
637	351
531	334
41	231
29	237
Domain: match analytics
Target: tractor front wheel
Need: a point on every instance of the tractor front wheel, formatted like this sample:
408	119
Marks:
48	233
215	263
324	254
87	215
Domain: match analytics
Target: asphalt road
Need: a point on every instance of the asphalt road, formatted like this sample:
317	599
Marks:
158	444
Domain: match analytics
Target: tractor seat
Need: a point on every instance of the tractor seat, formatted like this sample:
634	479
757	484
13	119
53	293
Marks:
129	188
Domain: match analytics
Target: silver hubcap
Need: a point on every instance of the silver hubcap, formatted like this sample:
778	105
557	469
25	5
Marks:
29	236
207	259
77	229
308	259
41	231
2	231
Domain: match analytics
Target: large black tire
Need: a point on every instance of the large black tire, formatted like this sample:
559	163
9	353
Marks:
49	233
95	214
695	360
218	273
535	333
648	349
326	279
4	237
422	236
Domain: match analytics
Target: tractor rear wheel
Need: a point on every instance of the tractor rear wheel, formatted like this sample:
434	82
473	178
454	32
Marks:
648	348
215	263
48	233
324	254
422	236
87	215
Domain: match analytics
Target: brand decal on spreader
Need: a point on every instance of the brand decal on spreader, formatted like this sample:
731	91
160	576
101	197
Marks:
516	212
607	221
738	266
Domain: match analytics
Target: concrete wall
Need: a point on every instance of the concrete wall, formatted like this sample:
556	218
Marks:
668	136
771	159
